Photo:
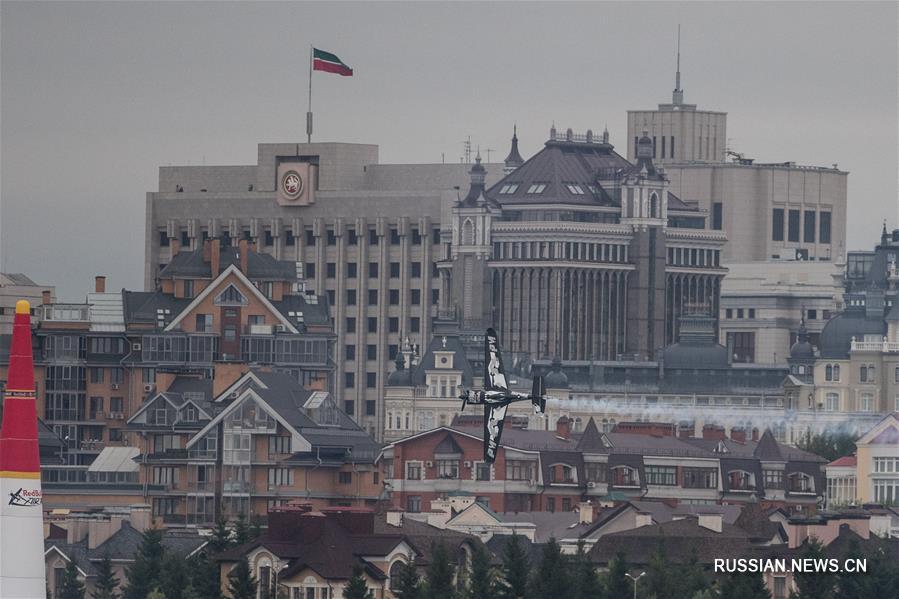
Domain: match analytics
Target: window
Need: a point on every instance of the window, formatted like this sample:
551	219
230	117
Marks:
351	237
188	288
717	215
350	297
729	313
116	375
413	504
351	270
536	188
394	270
447	468
373	270
774	479
372	297
267	239
278	445
349	379
824	228
812	314
280	477
349	406
394	297
885	465
393	324
482	471
372	237
163	239
371	379
416	270
310	238
414	324
508	188
330	238
416	300
739	312
370	407
550	504
345	478
372	324
741	346
289	239
371	352
836	372
808	235
115	404
793	225
866	402
575	189
777	225
595	472
700	478
413	470
148	376
330	270
349	352
519	470
310	270
661	475
350	324
96	375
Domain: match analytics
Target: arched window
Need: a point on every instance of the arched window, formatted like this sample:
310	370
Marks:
832	402
828	373
467	232
624	476
836	372
396	569
800	482
654	206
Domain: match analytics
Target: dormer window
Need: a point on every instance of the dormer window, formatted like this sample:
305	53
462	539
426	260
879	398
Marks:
231	297
508	188
536	188
721	447
575	189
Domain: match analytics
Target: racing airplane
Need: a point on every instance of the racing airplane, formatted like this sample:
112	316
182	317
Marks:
496	396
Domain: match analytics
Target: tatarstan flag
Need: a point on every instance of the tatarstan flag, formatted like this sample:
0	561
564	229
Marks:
325	61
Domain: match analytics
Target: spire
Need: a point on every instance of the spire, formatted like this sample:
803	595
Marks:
677	97
884	236
605	134
514	159
478	177
803	332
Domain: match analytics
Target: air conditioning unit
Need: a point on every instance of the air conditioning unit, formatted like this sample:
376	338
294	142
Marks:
429	464
117	416
114	386
467	464
591	485
280	328
135	347
148	388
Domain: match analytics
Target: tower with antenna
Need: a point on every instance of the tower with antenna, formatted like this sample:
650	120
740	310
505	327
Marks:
677	96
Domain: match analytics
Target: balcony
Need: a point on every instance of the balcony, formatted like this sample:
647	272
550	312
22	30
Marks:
258	329
884	346
65	313
236	486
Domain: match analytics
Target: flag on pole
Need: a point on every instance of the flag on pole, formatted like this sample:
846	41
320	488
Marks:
325	61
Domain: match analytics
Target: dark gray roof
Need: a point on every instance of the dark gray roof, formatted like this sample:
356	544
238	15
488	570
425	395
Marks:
140	307
259	265
591	439
559	163
460	362
316	313
689	355
836	336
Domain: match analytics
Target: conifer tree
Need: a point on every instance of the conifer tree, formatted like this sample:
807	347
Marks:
516	568
144	575
584	579
71	588
480	578
439	583
617	583
408	583
550	579
241	531
690	577
813	585
205	577
176	578
241	582
221	536
744	586
107	582
659	581
356	587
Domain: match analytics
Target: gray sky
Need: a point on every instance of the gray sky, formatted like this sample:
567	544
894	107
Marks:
96	96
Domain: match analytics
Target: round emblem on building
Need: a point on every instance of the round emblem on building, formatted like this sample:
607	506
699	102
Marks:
292	184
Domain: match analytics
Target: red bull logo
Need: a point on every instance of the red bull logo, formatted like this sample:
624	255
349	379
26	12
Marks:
25	497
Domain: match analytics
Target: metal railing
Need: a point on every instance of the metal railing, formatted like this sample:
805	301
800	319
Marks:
877	346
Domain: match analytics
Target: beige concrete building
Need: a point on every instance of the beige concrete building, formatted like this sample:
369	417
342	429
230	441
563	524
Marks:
15	287
878	462
763	303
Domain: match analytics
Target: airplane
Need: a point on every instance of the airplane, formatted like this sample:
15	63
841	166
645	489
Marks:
496	396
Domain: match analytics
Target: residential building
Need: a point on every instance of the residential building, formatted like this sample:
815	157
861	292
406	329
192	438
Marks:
555	470
263	441
842	482
877	462
15	287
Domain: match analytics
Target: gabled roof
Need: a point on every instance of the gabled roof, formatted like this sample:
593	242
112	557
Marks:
448	446
592	440
885	432
213	288
767	448
428	361
845	461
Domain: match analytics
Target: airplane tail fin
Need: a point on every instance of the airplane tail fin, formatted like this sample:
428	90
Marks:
537	395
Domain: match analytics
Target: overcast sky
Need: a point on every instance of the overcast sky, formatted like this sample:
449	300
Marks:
96	96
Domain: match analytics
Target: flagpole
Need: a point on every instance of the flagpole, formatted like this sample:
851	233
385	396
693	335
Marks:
309	113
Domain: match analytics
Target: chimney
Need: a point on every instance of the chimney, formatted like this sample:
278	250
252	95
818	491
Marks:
174	246
45	297
755	434
100	529
711	521
140	516
395	518
585	512
563	427
77	528
215	257
100	284
738	435
207	245
642	519
713	432
243	248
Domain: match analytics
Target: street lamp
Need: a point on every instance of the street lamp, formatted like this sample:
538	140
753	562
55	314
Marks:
635	579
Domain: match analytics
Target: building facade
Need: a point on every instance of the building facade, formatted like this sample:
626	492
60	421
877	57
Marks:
15	287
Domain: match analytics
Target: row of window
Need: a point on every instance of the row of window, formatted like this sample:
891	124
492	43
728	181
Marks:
670	146
393	324
680	256
560	250
886	465
371	380
352	270
809	228
268	238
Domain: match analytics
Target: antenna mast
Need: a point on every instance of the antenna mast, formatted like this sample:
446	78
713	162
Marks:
677	97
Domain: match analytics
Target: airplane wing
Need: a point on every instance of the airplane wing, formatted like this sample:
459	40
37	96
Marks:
494	419
494	373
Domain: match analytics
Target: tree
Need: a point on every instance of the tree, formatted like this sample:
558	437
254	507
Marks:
107	582
584	579
550	580
691	577
516	567
176	578
616	581
439	583
156	594
241	582
71	587
241	531
828	445
813	585
205	577
144	575
744	586
356	587
221	536
659	580
408	584
480	579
